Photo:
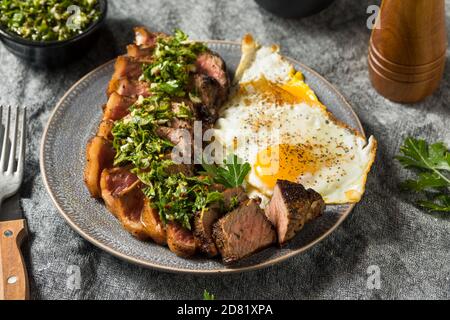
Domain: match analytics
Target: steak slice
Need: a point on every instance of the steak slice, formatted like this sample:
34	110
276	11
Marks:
203	229
208	90
117	107
99	155
243	231
291	207
121	191
181	138
127	67
204	220
212	65
233	197
145	38
129	88
152	223
105	128
141	54
180	240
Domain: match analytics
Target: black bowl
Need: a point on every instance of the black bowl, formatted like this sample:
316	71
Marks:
294	8
53	53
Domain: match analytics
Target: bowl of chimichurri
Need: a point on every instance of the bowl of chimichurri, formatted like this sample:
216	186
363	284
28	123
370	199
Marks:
50	32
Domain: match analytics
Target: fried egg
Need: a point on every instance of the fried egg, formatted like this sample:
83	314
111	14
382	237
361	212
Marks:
276	123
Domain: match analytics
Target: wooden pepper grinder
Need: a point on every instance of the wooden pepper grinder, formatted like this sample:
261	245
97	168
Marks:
407	50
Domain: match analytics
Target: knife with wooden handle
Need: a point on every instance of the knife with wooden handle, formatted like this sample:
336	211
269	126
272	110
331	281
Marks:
13	273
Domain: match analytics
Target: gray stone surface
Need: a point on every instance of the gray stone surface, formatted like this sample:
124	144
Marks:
411	248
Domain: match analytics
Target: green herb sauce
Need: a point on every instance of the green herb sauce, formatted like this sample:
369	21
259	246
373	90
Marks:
176	196
48	20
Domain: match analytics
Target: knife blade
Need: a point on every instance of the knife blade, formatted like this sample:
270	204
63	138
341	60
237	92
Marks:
10	209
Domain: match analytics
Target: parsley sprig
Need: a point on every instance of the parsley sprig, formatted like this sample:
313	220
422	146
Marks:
208	296
432	161
231	174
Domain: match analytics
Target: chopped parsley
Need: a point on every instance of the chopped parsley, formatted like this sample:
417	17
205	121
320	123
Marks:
135	139
176	196
168	74
48	20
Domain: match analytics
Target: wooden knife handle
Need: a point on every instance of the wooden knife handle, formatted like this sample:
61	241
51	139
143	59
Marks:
13	273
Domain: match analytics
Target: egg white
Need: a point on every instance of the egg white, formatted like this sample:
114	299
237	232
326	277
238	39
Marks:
250	123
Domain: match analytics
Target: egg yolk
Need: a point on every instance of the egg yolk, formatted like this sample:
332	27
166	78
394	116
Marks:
291	92
298	88
284	162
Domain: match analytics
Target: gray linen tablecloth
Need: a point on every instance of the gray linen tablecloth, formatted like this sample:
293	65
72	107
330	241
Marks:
410	248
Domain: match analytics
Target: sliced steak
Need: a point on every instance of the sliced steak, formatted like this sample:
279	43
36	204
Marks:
127	67
129	88
121	191
186	169
145	38
180	240
141	54
243	231
233	197
152	223
212	65
105	128
208	90
182	139
204	220
291	207
203	229
117	106
99	155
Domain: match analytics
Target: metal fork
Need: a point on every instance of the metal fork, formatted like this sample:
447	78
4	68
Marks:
10	177
13	275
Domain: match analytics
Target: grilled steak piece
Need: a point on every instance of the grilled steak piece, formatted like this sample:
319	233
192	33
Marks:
99	155
141	54
145	38
152	223
105	128
127	67
180	240
117	107
186	169
208	90
243	231
124	68
291	207
182	141
203	229
121	191
129	88
212	65
233	197
204	220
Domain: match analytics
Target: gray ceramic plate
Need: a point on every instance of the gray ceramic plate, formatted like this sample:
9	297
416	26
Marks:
75	120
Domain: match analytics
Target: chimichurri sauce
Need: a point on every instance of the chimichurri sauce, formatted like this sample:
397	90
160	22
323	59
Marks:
48	20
